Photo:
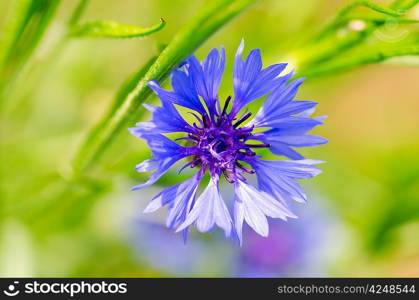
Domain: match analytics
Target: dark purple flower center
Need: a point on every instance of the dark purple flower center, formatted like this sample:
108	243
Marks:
220	143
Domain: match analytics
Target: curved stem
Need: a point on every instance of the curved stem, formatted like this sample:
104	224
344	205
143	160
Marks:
367	58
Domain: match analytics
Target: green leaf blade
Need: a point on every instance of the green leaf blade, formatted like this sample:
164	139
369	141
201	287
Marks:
110	29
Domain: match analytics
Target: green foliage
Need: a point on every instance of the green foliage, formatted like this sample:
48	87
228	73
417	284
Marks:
399	199
55	201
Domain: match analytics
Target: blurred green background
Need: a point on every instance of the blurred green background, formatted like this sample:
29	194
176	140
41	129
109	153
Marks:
362	218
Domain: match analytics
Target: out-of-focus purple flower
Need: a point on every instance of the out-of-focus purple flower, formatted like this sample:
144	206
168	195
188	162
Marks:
273	255
292	248
165	253
222	141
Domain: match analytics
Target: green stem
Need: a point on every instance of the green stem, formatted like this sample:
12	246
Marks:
123	92
21	99
206	22
331	48
334	23
327	50
25	39
376	20
367	58
77	13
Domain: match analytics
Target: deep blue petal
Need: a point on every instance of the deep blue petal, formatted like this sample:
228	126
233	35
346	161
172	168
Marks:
162	167
165	119
281	141
265	82
244	79
164	95
277	178
279	148
207	76
267	114
183	86
213	68
165	154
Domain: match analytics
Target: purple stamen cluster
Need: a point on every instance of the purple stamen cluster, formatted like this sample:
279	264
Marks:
219	144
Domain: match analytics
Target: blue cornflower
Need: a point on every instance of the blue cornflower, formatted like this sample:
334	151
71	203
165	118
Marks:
220	142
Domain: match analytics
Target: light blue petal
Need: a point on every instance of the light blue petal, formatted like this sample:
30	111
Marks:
250	81
278	177
279	148
179	199
209	210
163	147
238	218
253	206
285	124
252	214
147	165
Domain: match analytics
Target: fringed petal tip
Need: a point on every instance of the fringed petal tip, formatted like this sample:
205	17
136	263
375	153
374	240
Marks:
310	161
153	84
135	132
138	187
321	118
240	49
149	209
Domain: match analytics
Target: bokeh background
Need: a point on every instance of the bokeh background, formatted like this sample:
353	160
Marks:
362	218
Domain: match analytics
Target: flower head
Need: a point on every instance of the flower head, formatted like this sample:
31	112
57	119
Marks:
224	141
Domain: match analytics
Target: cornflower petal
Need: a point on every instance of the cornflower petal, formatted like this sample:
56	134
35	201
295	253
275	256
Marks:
207	76
253	206
250	81
209	210
165	154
